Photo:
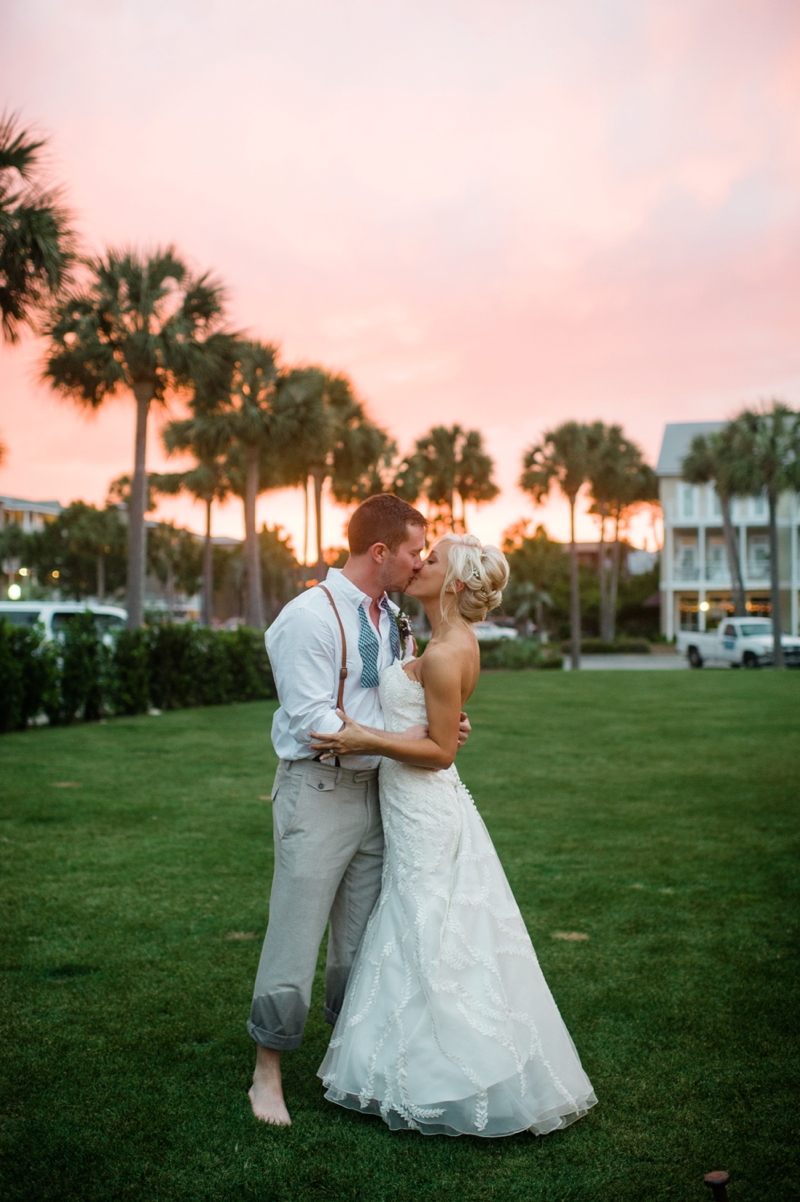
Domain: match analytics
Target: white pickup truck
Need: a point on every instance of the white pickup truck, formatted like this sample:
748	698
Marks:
740	642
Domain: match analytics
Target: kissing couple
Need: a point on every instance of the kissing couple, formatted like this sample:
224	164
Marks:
442	1020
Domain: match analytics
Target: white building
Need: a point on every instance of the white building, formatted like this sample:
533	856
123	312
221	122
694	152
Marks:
695	582
30	515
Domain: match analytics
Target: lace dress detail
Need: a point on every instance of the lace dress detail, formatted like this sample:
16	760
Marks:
448	1025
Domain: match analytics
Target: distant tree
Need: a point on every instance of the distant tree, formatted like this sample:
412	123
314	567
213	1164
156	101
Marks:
447	463
537	564
333	440
36	242
174	556
619	481
278	569
712	458
206	435
138	324
86	546
563	458
765	445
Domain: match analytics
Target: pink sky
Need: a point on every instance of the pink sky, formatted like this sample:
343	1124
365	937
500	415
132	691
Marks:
503	213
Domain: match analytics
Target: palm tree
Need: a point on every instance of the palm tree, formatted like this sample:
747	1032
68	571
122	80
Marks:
447	463
563	457
333	440
36	242
172	556
258	439
766	450
206	482
619	481
712	457
144	325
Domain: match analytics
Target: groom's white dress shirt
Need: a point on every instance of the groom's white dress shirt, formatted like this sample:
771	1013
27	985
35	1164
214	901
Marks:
304	644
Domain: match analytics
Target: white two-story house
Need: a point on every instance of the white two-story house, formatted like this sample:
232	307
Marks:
695	581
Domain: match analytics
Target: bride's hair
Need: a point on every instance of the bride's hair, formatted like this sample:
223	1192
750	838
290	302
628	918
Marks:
483	570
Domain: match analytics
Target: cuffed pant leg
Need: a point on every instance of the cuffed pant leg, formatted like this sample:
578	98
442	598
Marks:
317	833
354	902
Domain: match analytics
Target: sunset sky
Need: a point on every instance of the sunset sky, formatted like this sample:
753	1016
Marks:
503	213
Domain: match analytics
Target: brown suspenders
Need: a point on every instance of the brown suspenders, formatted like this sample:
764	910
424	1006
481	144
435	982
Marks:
343	669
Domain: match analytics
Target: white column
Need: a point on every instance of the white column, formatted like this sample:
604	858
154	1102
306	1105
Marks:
795	583
668	595
701	584
743	556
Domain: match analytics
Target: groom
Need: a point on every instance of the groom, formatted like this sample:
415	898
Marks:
326	816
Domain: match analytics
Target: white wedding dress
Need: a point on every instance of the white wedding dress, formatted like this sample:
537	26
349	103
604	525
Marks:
448	1026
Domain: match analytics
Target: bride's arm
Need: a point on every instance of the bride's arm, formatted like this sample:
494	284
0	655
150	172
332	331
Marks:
436	750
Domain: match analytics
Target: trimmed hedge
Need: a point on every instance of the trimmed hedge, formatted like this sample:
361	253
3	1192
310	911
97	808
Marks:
161	667
511	655
618	647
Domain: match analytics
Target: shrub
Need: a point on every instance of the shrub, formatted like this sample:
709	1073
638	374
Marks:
511	655
28	675
82	673
129	673
618	647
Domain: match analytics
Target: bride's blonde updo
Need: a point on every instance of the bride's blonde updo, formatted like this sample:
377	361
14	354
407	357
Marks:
483	570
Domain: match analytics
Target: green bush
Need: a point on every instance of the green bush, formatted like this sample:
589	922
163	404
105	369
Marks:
129	674
82	677
28	675
165	666
618	647
512	654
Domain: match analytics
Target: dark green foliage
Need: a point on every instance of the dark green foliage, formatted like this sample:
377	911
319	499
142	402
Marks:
511	653
87	547
618	647
129	683
28	675
82	672
655	812
166	667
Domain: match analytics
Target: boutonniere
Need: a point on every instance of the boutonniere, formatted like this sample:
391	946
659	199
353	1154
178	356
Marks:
403	626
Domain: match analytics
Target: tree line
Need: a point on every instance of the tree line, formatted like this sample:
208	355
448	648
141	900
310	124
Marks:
757	453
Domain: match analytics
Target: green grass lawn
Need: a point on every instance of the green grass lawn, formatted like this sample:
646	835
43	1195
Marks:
655	813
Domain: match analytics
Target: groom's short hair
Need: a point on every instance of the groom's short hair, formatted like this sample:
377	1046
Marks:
381	519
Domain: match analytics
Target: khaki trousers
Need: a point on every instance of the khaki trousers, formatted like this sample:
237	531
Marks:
328	861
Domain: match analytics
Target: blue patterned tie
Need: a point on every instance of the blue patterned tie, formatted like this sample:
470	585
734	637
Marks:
368	650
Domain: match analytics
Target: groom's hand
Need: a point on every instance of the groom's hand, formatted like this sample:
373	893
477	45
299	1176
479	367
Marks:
464	729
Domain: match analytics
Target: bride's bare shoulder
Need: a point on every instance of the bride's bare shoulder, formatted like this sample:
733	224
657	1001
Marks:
456	651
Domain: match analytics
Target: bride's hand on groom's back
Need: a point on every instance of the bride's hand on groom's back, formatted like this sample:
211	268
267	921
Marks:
464	729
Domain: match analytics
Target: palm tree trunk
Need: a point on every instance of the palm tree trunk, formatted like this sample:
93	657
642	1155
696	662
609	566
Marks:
774	580
255	601
574	594
208	577
318	476
305	522
101	577
732	549
614	585
602	573
136	510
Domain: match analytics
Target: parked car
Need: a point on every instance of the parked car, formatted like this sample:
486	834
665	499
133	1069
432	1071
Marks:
54	615
489	632
740	642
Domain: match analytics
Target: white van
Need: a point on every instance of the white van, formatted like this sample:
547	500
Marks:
55	615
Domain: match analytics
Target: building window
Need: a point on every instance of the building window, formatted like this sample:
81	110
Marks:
714	506
686	561
716	560
687	500
758	559
759	507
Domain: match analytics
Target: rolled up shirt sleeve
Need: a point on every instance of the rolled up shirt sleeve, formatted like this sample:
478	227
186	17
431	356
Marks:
304	657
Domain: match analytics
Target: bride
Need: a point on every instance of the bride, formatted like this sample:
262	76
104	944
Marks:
448	1026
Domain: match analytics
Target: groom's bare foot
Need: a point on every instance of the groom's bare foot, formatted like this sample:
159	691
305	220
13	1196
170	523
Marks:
266	1092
